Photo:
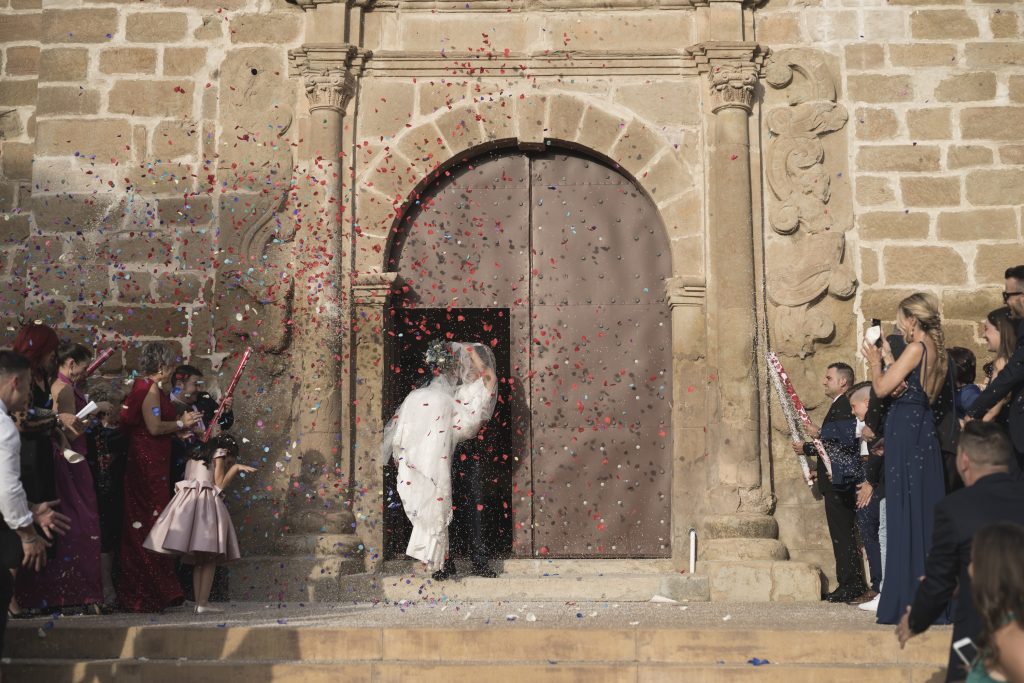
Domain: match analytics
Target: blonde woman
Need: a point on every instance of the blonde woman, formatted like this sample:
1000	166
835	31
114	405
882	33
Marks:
914	476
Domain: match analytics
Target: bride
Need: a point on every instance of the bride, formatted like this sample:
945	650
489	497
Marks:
450	408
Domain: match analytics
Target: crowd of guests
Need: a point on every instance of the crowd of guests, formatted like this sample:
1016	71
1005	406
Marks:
922	463
118	509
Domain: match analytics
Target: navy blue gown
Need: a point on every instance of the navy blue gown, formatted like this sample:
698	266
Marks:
914	484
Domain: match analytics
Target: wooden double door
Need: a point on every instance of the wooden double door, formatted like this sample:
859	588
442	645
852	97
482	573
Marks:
558	262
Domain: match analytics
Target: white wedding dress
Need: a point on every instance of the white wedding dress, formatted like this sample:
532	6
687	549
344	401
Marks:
422	437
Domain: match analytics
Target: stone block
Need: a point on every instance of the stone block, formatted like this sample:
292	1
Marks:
16	228
136	246
884	24
152	98
780	28
211	27
924	265
865	56
996	186
22	60
194	248
79	25
868	267
564	117
1016	88
1011	154
874	190
973	304
103	138
163	177
435	95
134	287
498	118
933	24
276	28
876	124
175	138
667	103
71	212
1004	24
599	130
992	123
67	100
11	126
668	177
972	87
385	107
181	213
17	93
992	260
898	158
1010	53
923	54
156	27
930	191
19	27
532	113
184	61
880	88
882	225
979	224
929	124
178	288
128	60
63	64
961	156
636	147
883	302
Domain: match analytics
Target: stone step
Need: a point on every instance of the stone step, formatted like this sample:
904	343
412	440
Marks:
400	672
739	526
295	578
500	642
614	587
537	567
742	549
762	581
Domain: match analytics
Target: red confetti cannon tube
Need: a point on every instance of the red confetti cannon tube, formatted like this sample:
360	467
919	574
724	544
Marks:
227	393
798	406
100	360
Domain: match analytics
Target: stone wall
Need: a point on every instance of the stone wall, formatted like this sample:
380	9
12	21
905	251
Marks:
935	95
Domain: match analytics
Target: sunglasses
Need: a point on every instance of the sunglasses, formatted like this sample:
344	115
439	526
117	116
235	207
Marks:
1009	295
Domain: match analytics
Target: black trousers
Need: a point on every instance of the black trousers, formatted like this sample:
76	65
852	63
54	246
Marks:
6	593
841	515
467	528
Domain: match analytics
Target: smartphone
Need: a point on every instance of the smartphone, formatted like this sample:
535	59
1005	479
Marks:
966	650
876	323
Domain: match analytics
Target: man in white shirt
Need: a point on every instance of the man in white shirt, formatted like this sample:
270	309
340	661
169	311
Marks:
17	516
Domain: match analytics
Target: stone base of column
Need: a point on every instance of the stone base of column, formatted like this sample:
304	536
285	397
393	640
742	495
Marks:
745	562
306	568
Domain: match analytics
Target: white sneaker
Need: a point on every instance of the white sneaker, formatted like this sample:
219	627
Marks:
871	605
208	610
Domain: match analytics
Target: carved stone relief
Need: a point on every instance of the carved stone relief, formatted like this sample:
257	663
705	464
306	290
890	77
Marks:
805	251
254	171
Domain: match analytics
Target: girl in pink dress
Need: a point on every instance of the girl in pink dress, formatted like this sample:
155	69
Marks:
196	525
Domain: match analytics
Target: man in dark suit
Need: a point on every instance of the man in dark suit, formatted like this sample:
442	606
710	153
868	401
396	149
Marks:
838	435
992	494
1010	381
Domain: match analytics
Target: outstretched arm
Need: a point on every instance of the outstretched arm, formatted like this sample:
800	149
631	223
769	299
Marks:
1010	379
487	373
884	383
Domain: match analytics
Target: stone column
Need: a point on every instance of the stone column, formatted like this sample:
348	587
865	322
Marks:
370	296
322	265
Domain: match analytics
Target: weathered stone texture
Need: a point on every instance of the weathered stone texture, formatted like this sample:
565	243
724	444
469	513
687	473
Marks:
980	224
929	124
152	98
893	225
106	138
930	191
933	24
156	27
880	88
961	156
79	25
275	28
63	64
121	60
22	60
924	265
992	123
899	158
68	100
991	187
923	54
876	124
969	87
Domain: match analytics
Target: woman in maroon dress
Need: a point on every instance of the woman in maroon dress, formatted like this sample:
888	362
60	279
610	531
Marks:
72	576
148	582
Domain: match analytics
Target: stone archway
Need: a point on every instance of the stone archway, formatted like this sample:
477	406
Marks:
574	256
391	183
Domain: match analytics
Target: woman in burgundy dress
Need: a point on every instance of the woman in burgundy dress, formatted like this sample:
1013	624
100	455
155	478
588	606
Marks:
72	576
148	582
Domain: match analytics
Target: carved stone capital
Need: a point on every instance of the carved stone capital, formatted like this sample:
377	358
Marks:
372	288
685	291
328	73
732	69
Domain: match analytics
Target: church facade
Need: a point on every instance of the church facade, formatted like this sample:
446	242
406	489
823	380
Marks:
630	201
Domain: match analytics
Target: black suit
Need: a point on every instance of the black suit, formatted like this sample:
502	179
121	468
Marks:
958	516
841	504
1009	381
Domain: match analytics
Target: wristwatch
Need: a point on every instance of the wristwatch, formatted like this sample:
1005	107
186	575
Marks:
181	425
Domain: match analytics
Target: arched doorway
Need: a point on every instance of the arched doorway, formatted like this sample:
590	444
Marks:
558	261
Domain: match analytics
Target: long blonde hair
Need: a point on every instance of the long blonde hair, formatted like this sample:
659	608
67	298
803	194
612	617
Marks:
924	308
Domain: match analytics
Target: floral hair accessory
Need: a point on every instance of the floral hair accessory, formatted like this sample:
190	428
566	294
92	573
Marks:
439	356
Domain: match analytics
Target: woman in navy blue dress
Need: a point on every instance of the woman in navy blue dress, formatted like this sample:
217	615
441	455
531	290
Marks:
914	479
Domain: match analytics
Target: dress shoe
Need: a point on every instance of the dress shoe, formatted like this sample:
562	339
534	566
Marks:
867	596
871	605
843	595
484	571
446	572
207	609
